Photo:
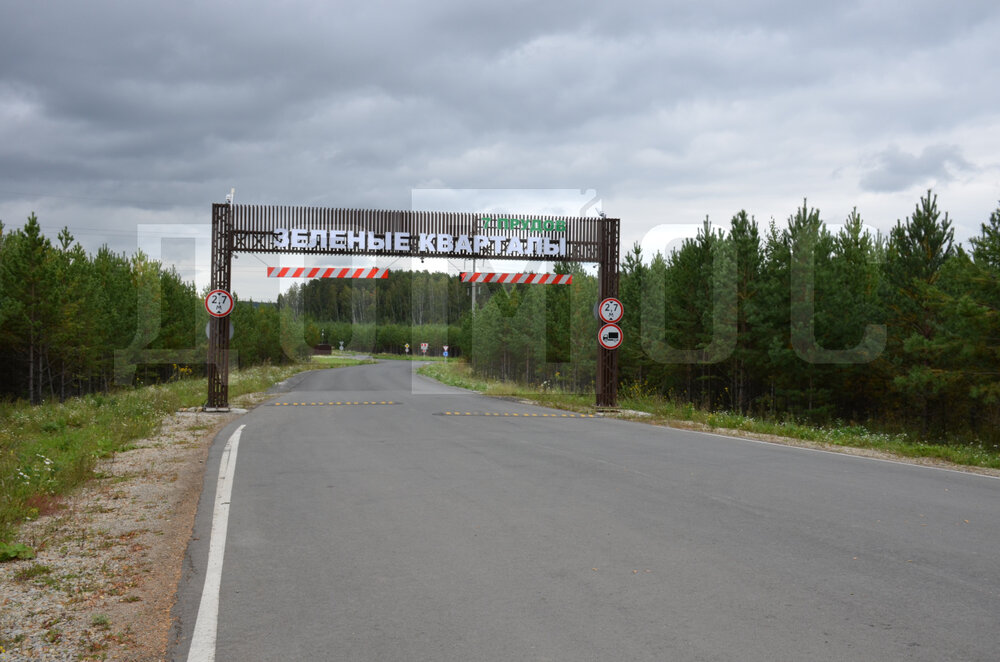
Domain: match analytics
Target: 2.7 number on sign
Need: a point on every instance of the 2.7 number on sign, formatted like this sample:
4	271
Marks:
611	310
219	303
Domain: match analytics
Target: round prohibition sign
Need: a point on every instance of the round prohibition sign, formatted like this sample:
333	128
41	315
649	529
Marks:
219	303
611	310
610	336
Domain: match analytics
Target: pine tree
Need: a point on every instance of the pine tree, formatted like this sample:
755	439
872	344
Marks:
974	317
633	362
75	348
28	304
744	239
916	252
115	309
853	331
688	316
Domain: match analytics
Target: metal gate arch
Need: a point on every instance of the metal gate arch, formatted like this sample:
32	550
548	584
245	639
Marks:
252	229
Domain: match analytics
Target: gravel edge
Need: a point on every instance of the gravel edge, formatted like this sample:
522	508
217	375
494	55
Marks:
109	556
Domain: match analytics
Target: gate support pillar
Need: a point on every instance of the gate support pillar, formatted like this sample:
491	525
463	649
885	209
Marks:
218	327
607	274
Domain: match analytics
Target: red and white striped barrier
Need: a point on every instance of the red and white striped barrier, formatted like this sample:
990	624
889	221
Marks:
533	279
326	272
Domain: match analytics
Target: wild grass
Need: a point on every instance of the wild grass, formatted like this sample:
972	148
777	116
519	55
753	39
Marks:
337	360
32	571
664	411
411	357
460	374
46	450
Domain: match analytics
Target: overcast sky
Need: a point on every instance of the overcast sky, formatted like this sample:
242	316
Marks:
118	117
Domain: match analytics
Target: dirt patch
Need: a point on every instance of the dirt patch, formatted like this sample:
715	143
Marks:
109	557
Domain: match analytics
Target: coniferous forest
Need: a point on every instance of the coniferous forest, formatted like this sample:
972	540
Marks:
781	321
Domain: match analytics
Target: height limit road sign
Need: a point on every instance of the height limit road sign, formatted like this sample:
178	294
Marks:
219	303
611	310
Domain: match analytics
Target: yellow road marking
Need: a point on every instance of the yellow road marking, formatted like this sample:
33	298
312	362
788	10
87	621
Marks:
513	413
341	403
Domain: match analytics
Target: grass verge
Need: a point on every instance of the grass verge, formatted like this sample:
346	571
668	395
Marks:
47	450
660	411
411	357
458	373
339	360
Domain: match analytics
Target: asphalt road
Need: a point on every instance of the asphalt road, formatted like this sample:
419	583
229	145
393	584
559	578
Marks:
401	532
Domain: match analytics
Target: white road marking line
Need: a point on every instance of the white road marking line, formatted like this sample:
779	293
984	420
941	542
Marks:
206	626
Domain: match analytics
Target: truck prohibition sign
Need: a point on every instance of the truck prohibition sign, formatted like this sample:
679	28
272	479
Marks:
610	336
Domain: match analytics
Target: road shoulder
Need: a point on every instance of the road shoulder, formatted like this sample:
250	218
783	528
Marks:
109	557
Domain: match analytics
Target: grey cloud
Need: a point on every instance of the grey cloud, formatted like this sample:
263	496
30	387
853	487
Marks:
158	105
896	170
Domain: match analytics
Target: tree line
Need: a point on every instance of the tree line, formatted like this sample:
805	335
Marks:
73	323
65	315
382	315
778	321
801	321
900	330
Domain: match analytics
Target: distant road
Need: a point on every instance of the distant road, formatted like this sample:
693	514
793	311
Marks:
427	530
